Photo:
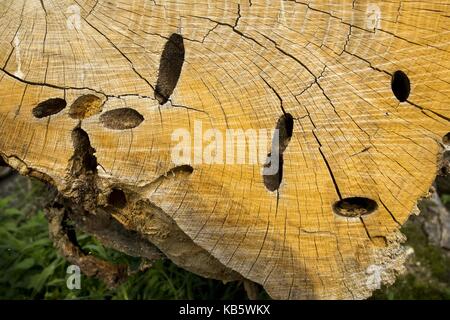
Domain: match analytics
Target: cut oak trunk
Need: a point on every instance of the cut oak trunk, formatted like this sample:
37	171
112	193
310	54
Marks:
92	92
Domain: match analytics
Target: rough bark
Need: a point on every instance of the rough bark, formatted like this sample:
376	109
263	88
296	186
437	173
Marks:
91	92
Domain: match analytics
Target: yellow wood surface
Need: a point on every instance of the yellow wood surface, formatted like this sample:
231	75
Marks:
244	62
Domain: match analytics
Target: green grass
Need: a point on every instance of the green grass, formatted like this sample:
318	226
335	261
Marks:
30	267
429	272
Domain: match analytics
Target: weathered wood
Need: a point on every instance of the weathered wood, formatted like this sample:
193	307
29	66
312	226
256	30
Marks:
363	147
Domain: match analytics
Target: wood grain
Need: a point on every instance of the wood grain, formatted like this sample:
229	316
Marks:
246	63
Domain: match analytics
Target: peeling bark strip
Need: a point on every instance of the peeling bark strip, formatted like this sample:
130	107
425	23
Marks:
273	168
121	119
355	207
401	86
49	107
85	107
64	239
82	172
170	67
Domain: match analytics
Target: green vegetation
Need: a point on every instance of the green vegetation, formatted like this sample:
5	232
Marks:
30	268
429	272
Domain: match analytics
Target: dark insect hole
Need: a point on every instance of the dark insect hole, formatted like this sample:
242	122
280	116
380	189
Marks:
183	169
85	106
273	168
170	66
117	199
49	107
273	172
446	139
401	86
121	119
83	158
355	207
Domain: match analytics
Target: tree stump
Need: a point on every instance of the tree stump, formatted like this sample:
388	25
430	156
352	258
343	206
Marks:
96	95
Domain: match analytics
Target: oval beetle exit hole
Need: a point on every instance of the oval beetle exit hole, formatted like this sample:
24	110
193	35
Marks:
355	207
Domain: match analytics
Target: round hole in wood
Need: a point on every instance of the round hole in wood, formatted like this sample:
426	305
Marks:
117	199
401	86
355	207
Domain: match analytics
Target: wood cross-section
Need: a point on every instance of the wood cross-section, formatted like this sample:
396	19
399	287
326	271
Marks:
92	93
